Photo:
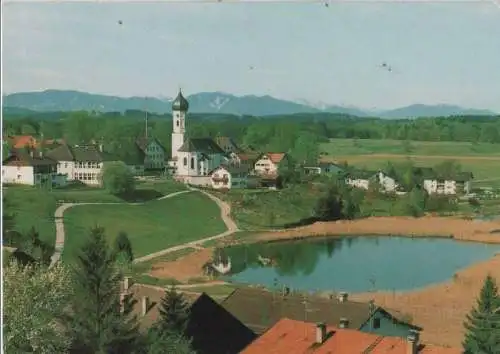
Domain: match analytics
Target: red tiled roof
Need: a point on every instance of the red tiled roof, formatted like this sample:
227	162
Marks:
20	141
275	157
297	337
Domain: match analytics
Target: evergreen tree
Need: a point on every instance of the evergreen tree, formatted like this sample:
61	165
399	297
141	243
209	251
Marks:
98	323
123	247
159	343
483	323
174	313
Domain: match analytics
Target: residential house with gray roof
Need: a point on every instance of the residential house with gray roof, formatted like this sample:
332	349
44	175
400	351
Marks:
81	162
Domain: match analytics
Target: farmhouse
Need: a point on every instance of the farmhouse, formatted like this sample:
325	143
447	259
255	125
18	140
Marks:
268	163
360	178
261	309
153	152
322	168
31	167
288	336
451	184
80	162
227	144
213	330
229	177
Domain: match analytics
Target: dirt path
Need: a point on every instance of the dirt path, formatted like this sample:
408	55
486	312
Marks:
226	218
59	221
404	156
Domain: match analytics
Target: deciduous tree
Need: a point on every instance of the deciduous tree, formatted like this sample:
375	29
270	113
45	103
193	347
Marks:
117	178
34	299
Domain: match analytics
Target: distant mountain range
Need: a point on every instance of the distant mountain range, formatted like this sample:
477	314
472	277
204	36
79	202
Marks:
209	102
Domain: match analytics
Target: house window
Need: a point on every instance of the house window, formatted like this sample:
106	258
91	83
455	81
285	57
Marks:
185	161
177	122
192	163
376	323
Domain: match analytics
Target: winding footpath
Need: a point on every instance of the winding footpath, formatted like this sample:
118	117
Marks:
59	220
225	215
231	226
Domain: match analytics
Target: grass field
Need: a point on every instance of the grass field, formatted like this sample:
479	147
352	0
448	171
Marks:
151	227
253	210
35	207
483	160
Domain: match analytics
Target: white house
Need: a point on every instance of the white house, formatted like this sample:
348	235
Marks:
154	153
449	185
192	158
268	163
31	168
386	182
360	178
322	168
81	162
229	177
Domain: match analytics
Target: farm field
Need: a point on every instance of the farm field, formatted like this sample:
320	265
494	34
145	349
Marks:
151	226
483	160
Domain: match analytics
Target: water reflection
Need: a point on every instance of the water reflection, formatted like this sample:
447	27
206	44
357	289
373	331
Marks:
354	263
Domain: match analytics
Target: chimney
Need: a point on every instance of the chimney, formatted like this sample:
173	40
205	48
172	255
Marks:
145	304
342	296
412	342
125	283
122	302
40	153
343	323
101	148
320	333
31	153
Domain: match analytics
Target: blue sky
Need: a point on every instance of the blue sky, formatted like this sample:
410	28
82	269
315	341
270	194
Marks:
439	52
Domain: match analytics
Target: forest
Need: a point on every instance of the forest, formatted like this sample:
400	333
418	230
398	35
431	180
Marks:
272	133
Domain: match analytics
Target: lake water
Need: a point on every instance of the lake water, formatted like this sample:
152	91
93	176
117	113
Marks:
354	264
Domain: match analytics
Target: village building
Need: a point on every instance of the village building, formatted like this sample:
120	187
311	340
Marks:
322	168
227	144
269	163
31	167
153	153
451	184
301	337
81	163
192	158
359	178
260	309
211	328
230	176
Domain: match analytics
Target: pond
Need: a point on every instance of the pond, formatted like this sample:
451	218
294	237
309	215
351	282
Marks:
354	264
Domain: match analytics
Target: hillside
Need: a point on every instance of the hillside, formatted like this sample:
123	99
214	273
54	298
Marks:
208	102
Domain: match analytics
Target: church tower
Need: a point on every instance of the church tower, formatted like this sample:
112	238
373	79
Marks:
180	107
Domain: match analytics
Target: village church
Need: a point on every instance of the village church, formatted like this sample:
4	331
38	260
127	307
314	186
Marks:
192	158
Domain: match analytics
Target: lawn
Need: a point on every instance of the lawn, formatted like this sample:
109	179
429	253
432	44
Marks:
151	227
33	208
144	191
483	160
254	210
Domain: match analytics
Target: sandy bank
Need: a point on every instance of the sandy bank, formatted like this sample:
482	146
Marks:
185	268
440	309
460	229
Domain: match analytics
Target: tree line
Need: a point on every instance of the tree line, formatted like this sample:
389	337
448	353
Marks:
277	133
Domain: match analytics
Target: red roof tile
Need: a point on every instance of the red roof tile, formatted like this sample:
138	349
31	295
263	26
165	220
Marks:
275	157
297	337
20	141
